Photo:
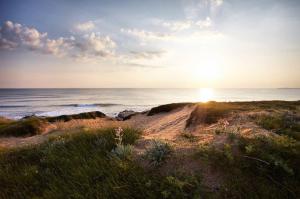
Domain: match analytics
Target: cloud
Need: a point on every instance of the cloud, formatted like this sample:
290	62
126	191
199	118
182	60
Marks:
204	23
14	35
92	45
216	2
81	47
86	26
200	8
147	35
176	25
147	54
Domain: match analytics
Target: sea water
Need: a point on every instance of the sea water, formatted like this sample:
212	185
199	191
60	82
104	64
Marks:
17	103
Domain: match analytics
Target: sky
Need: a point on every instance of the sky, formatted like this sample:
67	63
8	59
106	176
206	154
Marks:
150	44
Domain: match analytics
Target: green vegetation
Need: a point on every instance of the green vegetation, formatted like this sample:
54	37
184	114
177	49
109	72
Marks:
4	121
167	108
285	123
188	136
103	163
86	115
158	152
261	167
25	127
208	113
271	105
81	166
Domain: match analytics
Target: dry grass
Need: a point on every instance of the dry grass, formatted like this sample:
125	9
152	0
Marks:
87	123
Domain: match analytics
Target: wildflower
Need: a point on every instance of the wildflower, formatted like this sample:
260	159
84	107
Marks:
119	135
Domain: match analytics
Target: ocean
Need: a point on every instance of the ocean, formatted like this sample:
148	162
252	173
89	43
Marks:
17	103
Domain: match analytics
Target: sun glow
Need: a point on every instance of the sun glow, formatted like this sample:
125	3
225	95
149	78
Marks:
206	94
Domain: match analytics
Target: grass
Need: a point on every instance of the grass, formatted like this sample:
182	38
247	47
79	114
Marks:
93	164
167	108
220	108
25	127
189	136
4	121
208	113
158	152
86	115
81	166
272	162
284	123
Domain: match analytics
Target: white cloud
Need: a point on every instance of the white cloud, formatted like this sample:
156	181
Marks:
204	23
92	45
196	9
13	35
147	35
86	26
176	25
147	54
216	2
58	47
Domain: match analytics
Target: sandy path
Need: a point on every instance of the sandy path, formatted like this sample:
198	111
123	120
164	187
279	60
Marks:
162	126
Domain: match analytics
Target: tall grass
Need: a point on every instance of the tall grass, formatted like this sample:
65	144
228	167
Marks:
24	127
284	123
81	166
260	167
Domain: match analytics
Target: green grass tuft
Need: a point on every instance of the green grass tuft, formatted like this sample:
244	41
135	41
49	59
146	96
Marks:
24	127
167	108
86	115
158	152
286	124
188	136
81	166
210	112
272	162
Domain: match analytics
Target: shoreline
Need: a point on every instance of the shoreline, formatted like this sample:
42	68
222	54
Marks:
115	114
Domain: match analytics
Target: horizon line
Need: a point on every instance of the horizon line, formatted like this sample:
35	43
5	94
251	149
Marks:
150	88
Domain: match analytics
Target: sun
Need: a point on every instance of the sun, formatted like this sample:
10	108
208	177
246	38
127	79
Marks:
206	94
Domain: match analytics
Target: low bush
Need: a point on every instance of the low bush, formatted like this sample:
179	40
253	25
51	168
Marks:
271	161
210	112
286	123
158	152
166	108
81	166
86	115
4	121
188	136
24	127
123	152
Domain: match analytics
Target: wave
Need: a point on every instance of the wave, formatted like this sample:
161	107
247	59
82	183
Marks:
91	105
12	106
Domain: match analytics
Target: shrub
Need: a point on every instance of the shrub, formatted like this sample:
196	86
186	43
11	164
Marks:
285	123
166	108
80	166
190	137
271	160
123	152
86	115
24	127
158	152
4	121
219	131
208	113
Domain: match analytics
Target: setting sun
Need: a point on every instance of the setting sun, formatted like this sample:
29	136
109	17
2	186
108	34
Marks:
206	94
